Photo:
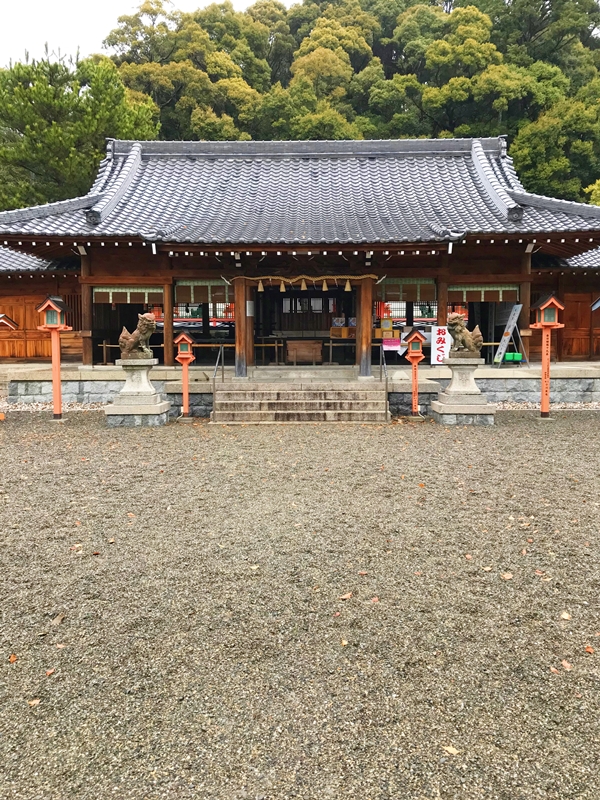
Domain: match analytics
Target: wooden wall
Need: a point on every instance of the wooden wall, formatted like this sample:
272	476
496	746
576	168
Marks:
19	298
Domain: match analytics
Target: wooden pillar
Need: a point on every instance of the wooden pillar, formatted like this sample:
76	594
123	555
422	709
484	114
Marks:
525	300
442	302
240	328
250	324
364	333
205	321
86	313
169	357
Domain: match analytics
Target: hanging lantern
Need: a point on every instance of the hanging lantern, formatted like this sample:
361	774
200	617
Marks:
325	287
348	287
282	287
261	288
303	285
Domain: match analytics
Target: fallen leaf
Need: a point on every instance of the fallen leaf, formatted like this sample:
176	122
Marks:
60	646
506	576
486	569
12	658
546	578
578	694
344	642
75	546
565	615
96	553
336	614
345	596
468	556
34	702
129	514
362	572
452	750
566	665
50	672
524	551
254	566
57	619
374	599
418	573
111	541
554	670
530	540
421	485
77	522
589	649
539	572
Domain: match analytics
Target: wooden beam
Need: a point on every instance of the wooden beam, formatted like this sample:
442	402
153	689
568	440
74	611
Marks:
158	279
364	332
241	370
87	310
525	299
168	324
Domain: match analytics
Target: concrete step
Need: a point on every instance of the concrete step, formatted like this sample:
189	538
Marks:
296	395
300	405
297	416
316	386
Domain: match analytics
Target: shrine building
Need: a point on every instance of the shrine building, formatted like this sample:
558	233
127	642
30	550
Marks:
297	252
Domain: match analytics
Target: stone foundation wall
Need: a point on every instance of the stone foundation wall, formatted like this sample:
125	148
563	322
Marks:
519	390
201	404
401	403
562	390
72	391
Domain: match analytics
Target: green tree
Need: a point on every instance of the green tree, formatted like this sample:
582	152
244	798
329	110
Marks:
54	121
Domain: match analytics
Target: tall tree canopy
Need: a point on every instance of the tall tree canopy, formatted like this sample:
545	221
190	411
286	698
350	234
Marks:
323	69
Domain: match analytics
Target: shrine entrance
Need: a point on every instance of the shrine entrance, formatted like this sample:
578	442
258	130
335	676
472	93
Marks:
309	326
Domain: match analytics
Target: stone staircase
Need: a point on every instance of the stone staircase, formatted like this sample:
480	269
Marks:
257	403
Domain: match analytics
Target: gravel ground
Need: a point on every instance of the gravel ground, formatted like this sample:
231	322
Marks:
364	612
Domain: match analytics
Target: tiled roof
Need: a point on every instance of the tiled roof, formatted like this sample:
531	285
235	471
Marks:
11	261
589	260
295	193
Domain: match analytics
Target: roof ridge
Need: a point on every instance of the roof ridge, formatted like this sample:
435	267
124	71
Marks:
353	147
49	209
553	204
496	192
108	202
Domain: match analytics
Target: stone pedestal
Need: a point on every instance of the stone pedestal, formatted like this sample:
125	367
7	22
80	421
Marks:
462	402
138	404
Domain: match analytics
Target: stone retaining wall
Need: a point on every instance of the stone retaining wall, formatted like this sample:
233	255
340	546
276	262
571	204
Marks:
201	404
401	403
516	390
520	390
72	391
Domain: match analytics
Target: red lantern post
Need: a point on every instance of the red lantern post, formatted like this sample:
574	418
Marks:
414	354
546	320
54	311
185	356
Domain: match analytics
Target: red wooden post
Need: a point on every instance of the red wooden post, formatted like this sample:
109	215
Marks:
56	386
54	311
414	354
545	395
185	356
546	318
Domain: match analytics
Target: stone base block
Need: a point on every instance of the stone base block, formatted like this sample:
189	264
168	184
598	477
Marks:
136	420
462	414
137	415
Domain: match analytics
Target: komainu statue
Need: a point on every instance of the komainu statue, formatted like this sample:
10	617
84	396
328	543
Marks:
135	345
462	338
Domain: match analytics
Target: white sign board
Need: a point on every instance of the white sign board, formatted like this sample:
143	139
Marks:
249	308
441	342
508	332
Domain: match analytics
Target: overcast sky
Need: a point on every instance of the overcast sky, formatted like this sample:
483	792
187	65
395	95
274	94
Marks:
66	24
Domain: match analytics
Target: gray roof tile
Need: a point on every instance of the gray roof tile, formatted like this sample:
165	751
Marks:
290	193
12	261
